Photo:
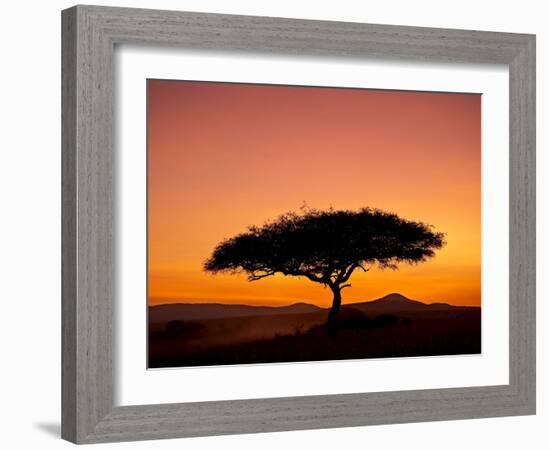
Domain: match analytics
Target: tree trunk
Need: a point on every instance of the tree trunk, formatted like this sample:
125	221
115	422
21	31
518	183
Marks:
336	302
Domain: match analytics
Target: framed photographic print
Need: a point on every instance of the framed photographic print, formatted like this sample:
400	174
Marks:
267	222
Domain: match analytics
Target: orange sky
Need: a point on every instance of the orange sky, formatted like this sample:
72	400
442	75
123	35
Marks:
224	156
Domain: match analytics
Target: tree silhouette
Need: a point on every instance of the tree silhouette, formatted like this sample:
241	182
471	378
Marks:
326	247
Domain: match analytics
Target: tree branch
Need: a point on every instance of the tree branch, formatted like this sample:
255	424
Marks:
255	277
313	277
348	272
309	276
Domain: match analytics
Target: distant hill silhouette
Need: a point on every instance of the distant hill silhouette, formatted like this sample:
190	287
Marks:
204	311
391	303
399	303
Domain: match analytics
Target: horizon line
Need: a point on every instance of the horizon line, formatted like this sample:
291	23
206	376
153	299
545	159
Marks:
282	305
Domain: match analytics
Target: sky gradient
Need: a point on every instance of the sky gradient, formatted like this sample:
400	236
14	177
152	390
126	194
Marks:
224	156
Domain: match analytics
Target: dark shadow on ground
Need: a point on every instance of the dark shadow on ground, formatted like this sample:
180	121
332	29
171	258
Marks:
51	428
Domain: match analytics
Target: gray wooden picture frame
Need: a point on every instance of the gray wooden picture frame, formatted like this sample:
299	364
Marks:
89	36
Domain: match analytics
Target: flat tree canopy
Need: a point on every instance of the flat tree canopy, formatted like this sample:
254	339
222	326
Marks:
326	246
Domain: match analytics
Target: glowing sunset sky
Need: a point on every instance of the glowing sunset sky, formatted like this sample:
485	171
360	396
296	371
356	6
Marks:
225	156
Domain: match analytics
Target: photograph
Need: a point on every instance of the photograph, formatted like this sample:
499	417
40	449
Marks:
299	223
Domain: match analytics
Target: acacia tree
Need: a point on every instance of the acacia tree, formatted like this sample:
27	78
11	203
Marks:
326	247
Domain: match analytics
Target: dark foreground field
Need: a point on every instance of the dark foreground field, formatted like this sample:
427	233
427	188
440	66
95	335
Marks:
214	334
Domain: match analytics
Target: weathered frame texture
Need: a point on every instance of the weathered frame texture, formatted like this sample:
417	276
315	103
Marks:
89	35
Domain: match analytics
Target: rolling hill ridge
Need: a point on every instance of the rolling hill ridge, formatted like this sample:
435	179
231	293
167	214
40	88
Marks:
390	303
